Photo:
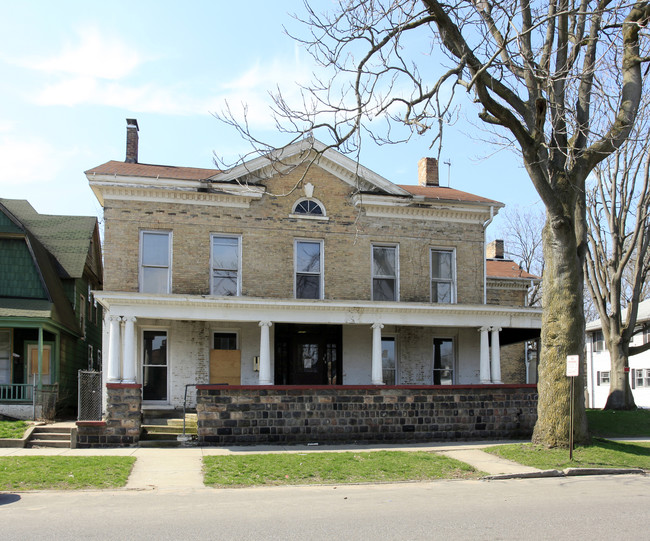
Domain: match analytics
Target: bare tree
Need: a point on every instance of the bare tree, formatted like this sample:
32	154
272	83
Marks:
617	262
536	70
522	235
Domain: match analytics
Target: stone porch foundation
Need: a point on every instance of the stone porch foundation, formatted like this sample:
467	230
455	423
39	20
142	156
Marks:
121	427
239	415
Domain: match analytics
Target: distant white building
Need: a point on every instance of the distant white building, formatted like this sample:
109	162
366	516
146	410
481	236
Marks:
599	366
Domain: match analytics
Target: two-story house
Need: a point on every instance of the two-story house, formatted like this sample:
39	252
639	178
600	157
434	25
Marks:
599	365
50	324
302	269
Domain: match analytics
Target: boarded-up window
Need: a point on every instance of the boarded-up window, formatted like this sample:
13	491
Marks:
225	359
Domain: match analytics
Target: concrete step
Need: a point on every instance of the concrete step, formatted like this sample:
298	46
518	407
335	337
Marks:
51	429
51	436
59	444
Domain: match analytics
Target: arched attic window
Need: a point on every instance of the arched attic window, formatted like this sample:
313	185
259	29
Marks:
309	208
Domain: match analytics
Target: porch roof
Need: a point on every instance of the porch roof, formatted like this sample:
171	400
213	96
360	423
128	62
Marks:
252	309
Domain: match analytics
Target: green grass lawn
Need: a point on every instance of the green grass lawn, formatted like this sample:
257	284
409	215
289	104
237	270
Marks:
64	472
619	424
601	454
331	468
12	429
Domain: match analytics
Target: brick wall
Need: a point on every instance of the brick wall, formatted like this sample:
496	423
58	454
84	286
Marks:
285	415
268	234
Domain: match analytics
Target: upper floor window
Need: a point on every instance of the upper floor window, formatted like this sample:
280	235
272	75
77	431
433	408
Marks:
310	207
226	265
385	272
598	341
646	334
155	261
82	314
443	276
309	269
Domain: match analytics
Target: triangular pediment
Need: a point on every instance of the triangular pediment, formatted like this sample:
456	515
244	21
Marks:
314	153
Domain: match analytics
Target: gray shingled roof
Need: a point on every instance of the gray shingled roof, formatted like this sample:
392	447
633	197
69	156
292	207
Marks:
642	316
67	238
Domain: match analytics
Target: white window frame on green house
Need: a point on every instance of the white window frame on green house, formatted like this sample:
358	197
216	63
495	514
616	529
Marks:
300	272
377	276
227	270
435	279
155	263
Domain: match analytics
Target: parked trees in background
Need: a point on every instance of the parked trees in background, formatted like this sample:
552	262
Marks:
537	73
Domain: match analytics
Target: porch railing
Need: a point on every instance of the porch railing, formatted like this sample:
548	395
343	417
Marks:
16	392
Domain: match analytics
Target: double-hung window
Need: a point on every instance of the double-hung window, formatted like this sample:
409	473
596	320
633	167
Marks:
155	261
443	276
385	273
309	269
598	341
226	266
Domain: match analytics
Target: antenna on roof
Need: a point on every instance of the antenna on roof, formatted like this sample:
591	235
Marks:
448	163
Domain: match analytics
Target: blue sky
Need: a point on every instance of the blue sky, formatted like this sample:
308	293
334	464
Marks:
73	71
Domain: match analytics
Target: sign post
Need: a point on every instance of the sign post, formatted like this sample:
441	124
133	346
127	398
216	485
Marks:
572	371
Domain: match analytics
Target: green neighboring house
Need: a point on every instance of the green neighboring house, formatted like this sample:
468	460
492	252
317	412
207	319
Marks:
50	324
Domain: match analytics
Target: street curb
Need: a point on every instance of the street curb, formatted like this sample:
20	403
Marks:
569	472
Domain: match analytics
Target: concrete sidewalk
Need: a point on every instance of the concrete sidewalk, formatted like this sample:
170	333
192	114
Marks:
180	468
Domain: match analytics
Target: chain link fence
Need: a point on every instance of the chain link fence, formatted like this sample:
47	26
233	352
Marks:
90	396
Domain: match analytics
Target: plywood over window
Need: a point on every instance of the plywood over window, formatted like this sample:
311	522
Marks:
225	366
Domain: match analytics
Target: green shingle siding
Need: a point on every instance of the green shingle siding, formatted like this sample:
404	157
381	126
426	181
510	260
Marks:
7	226
18	274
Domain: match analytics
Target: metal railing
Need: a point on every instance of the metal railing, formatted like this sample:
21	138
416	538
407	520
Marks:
17	392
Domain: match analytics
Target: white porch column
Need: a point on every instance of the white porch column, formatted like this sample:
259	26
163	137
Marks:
484	366
495	364
129	356
265	354
114	347
377	372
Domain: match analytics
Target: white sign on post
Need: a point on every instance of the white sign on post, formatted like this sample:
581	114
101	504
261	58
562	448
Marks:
572	365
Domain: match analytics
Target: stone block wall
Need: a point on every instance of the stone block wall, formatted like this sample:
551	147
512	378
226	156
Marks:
288	415
121	427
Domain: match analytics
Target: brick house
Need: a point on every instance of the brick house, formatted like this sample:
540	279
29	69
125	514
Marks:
308	272
50	324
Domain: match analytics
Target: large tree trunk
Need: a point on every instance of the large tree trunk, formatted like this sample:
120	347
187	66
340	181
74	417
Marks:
562	335
620	393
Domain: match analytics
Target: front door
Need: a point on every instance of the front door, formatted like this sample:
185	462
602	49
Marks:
46	369
308	354
154	366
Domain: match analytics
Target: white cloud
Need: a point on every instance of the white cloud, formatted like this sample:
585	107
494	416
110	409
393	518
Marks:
29	161
92	54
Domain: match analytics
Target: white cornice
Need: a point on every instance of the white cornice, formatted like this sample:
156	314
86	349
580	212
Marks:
396	207
231	196
207	308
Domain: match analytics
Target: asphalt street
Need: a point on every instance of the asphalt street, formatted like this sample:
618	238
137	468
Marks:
598	507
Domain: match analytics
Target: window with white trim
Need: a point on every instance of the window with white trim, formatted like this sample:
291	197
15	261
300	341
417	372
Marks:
389	360
309	207
82	314
602	378
642	377
308	269
155	261
385	273
226	266
443	276
443	361
598	342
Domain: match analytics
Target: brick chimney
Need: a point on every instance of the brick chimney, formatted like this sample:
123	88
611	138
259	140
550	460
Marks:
131	140
428	172
494	250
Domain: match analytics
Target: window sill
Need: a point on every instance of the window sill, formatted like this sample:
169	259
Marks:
308	217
